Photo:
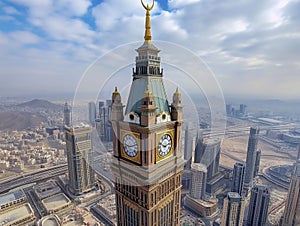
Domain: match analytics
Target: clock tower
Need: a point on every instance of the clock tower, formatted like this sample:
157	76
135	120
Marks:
147	159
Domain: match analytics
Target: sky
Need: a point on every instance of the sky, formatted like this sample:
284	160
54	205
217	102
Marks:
252	47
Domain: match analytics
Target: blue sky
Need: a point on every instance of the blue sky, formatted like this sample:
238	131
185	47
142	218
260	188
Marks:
252	46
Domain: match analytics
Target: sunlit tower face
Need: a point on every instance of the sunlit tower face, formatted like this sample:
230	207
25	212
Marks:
147	161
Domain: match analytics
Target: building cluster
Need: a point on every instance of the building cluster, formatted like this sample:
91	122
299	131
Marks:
45	200
22	149
100	119
103	126
53	201
244	189
204	180
236	112
15	209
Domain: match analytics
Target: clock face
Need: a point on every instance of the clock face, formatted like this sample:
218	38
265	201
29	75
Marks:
130	145
164	145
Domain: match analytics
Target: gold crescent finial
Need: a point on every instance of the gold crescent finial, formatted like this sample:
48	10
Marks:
147	7
148	37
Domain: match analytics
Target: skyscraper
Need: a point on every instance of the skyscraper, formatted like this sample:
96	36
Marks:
251	159
147	161
67	115
103	125
198	181
92	113
233	210
197	200
80	159
257	163
243	109
207	152
188	143
229	110
238	178
291	216
258	206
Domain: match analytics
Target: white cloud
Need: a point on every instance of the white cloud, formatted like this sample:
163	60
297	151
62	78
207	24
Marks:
11	10
242	41
180	3
24	37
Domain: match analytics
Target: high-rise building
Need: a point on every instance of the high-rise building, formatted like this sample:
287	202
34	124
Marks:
233	210
103	125
229	109
251	158
238	178
188	147
92	113
243	109
207	152
258	206
67	115
198	181
257	162
80	159
147	159
101	104
291	216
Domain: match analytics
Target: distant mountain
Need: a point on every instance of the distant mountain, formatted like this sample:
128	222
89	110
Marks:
38	103
10	120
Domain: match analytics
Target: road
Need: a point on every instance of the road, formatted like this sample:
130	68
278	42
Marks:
43	174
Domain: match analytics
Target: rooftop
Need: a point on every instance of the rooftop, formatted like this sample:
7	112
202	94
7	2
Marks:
9	197
50	220
199	167
15	214
56	201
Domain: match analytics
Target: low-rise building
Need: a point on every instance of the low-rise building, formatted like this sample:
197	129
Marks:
204	208
11	200
18	216
57	204
46	190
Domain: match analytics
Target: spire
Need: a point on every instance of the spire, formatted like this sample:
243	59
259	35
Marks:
148	37
116	97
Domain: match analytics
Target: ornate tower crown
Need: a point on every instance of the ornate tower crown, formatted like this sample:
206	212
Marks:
147	75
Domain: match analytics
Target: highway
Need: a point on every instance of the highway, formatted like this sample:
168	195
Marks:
43	174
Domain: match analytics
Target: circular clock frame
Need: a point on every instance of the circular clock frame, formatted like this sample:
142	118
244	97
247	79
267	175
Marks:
165	145
130	145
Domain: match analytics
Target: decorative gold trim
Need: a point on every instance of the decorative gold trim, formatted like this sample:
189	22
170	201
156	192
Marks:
165	202
158	137
131	205
137	158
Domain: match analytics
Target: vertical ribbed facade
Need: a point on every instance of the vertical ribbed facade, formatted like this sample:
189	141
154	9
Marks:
233	210
238	178
198	181
188	144
92	113
291	216
258	206
80	159
67	115
257	163
207	152
251	158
